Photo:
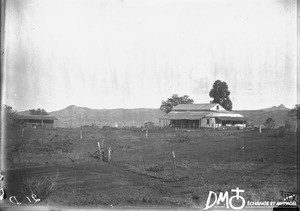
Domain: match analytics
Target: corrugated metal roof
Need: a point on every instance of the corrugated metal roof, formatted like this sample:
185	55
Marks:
39	117
233	118
224	114
185	115
193	115
205	106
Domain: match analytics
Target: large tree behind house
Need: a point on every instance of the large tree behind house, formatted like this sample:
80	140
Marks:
220	94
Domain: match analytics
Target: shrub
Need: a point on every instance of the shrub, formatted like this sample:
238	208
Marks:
282	132
149	125
41	187
182	137
155	168
288	126
8	114
270	123
37	146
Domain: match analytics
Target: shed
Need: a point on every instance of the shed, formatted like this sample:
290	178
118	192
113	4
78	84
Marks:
36	121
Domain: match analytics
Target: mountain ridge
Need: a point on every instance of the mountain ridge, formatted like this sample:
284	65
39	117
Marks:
76	116
274	108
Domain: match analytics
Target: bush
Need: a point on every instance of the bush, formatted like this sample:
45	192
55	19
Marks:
282	132
288	126
9	117
37	146
180	138
155	168
270	123
41	187
149	125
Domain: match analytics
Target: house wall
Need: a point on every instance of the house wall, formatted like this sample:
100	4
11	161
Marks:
241	125
202	123
186	124
234	123
38	123
212	122
164	122
217	108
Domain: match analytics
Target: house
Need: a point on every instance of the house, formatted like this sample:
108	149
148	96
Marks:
36	121
210	115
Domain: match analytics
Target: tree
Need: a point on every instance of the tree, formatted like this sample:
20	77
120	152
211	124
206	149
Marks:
9	115
295	112
220	94
270	123
38	111
293	118
175	100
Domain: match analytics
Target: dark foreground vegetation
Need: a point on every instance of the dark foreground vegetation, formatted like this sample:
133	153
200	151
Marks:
56	166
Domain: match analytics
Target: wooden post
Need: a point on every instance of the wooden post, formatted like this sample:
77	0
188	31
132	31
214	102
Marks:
109	154
100	151
259	128
81	134
102	143
23	132
173	167
75	182
42	123
146	132
144	166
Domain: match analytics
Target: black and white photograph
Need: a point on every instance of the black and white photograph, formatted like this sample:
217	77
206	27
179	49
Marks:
149	104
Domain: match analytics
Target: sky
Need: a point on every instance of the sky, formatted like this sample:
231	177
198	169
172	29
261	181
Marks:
137	53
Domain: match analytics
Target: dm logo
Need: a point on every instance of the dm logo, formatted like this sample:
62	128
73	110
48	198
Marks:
225	198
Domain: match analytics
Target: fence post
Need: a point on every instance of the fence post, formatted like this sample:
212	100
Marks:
109	154
100	151
81	134
173	166
144	165
102	143
259	128
23	132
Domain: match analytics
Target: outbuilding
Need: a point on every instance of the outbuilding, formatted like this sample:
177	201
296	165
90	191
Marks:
36	121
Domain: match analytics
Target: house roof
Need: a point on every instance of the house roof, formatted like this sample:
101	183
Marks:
195	107
199	115
227	118
38	117
199	111
185	115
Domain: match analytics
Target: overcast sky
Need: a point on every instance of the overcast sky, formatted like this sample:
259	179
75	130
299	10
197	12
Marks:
137	53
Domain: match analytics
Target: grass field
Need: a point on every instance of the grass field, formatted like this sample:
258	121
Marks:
141	173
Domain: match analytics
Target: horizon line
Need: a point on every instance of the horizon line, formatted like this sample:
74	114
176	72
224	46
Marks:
143	108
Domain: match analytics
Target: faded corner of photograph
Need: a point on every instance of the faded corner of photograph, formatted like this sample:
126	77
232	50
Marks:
149	104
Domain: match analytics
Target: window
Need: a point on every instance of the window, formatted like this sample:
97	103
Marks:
207	121
217	107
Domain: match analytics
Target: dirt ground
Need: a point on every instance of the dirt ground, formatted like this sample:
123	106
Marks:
141	172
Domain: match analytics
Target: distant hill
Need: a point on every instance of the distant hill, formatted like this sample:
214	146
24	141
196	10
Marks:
281	107
278	113
74	116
